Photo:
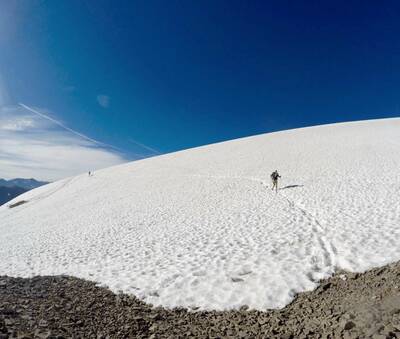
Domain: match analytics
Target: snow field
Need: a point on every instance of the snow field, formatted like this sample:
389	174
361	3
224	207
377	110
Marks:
202	229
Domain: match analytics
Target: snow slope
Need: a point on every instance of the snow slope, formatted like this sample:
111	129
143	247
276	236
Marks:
202	229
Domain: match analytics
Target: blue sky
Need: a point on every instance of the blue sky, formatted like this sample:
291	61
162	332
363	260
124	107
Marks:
151	77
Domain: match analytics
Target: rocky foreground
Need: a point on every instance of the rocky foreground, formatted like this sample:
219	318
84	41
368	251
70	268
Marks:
347	305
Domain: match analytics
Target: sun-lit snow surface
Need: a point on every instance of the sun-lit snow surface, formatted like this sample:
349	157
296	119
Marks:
201	228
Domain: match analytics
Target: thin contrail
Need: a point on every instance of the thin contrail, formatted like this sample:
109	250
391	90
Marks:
68	129
145	147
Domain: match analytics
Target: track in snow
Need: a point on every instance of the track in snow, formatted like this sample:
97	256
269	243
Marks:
324	264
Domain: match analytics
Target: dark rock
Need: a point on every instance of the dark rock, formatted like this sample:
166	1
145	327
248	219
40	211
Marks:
349	325
325	286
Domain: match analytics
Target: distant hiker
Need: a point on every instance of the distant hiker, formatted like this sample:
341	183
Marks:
90	174
274	177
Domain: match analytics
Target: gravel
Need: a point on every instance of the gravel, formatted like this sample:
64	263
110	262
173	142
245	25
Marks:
348	305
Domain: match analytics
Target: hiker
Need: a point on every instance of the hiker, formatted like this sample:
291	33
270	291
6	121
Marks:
274	177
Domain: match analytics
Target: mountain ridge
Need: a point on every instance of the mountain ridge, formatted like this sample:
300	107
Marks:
27	184
9	189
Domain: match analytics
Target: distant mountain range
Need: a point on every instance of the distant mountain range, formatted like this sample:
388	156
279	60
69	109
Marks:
9	189
27	184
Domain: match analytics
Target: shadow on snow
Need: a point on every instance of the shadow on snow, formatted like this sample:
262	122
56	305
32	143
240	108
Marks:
291	186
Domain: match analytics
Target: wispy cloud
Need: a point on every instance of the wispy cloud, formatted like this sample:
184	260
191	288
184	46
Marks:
33	144
103	100
18	124
44	116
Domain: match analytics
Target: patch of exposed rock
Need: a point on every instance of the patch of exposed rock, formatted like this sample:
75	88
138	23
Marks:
347	305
